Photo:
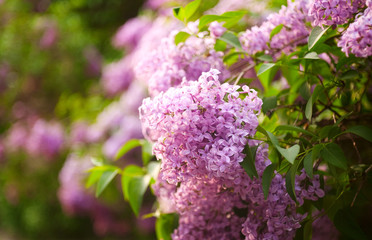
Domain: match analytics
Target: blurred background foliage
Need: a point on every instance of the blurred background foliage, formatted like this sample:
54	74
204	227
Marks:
51	53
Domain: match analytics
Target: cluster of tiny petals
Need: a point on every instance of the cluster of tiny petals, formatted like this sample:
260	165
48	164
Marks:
357	39
169	63
200	127
334	12
293	32
199	130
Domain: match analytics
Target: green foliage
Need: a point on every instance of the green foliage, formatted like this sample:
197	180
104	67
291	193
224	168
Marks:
249	161
165	225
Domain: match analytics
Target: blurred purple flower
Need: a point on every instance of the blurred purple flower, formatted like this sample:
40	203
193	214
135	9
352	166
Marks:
117	76
357	39
45	139
131	33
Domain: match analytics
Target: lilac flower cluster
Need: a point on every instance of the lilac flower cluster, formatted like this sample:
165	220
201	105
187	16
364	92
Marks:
38	138
201	127
139	36
294	31
357	39
323	228
334	12
199	130
168	64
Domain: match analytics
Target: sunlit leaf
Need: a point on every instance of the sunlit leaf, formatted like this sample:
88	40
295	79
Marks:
134	184
276	30
231	39
181	37
129	145
105	179
165	225
315	35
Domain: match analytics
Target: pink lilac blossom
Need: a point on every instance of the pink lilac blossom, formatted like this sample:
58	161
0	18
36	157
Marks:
199	131
45	139
294	31
117	76
130	127
216	29
168	64
334	12
216	128
357	39
131	32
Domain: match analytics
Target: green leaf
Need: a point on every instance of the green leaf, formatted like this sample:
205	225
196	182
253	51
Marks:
134	184
316	151
290	179
206	19
249	161
232	39
308	230
146	152
181	37
153	169
105	179
93	178
265	67
345	222
262	130
333	154
276	30
308	164
228	17
361	131
265	58
96	161
329	132
312	100
289	153
267	176
191	8
315	35
165	225
311	55
129	145
178	12
269	103
293	128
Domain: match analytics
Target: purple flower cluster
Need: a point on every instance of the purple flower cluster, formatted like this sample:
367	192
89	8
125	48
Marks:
199	130
294	31
201	127
334	12
140	37
169	64
39	138
357	39
130	34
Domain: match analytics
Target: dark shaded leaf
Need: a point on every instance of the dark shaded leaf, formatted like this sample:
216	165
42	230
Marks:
249	161
267	176
333	154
